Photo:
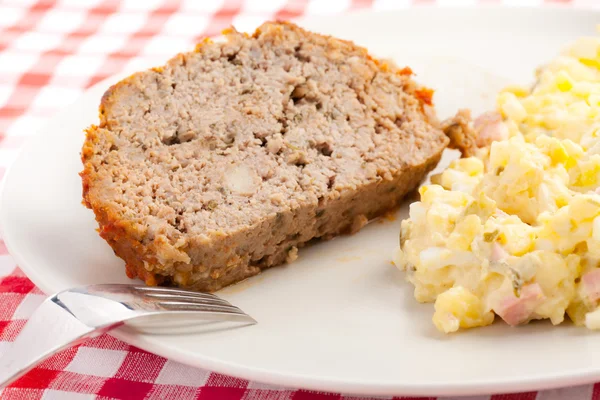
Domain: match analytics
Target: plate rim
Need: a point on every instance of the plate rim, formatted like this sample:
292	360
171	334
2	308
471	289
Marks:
292	381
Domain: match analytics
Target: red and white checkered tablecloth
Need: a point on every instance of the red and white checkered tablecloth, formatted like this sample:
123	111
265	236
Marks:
50	52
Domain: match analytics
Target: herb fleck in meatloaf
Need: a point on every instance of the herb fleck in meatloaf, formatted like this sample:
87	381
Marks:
228	159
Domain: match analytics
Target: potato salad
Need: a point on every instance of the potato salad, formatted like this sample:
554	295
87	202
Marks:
514	231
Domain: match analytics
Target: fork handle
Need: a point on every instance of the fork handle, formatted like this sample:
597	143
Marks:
49	330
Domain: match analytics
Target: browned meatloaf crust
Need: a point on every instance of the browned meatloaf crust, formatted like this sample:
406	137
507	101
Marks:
228	159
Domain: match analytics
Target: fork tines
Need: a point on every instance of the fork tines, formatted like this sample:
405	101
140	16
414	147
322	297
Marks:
187	300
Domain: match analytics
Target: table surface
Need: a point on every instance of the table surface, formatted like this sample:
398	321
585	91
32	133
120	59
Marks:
43	46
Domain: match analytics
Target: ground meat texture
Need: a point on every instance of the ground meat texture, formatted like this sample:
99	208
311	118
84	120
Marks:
461	133
228	159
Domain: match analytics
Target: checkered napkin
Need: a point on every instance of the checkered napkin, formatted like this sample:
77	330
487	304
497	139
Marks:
50	52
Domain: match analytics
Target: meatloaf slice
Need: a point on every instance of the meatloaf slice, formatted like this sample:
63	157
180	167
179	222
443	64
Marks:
228	159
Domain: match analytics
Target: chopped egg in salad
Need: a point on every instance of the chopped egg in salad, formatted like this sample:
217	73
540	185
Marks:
513	231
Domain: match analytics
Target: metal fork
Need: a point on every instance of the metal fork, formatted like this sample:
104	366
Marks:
72	316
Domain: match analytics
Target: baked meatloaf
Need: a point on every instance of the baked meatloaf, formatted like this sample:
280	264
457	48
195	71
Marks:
228	159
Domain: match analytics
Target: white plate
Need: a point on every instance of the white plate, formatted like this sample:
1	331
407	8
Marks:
341	318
